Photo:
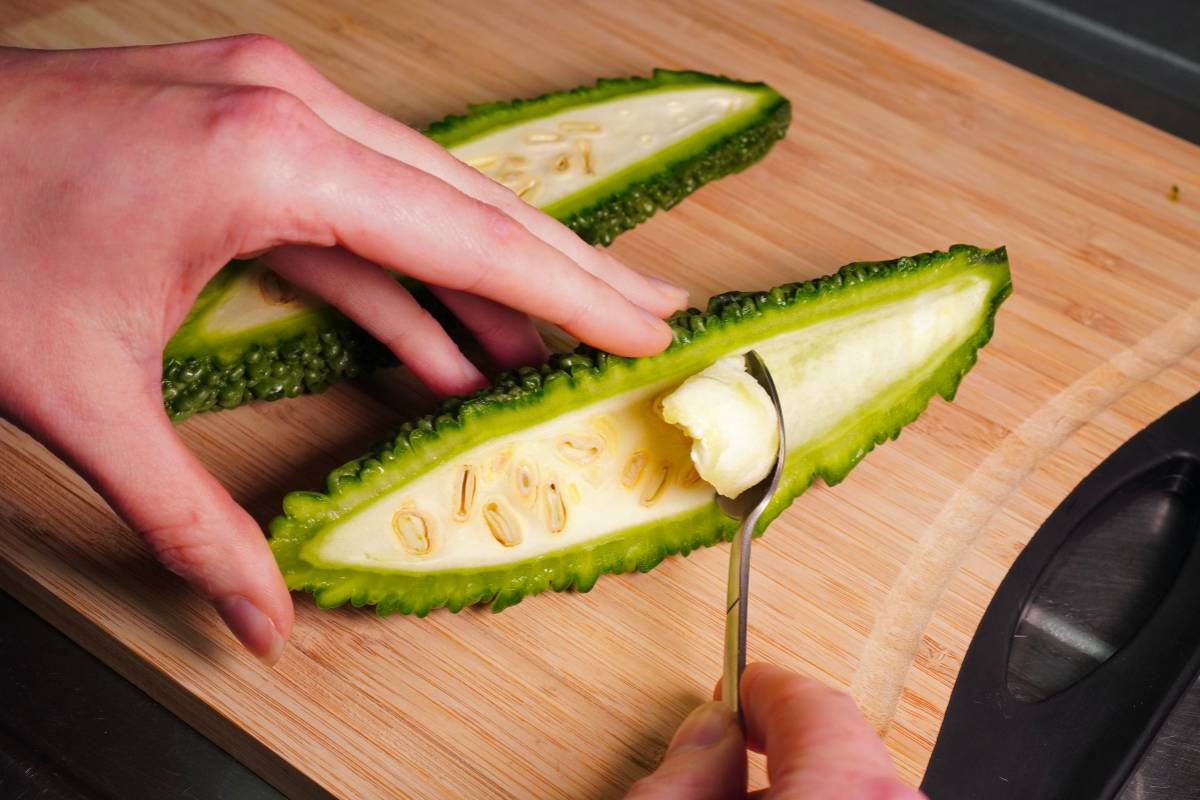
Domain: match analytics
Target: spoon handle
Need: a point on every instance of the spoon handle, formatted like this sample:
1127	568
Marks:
737	598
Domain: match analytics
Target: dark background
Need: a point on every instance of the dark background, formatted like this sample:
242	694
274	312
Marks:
72	728
1139	56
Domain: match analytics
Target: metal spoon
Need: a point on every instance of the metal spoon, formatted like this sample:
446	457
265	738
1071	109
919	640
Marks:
748	507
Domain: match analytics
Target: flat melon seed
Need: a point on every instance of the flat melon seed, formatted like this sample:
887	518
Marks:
466	494
505	529
273	290
690	477
580	448
542	138
607	430
529	190
498	462
585	152
525	478
556	508
658	482
414	530
482	162
634	468
562	163
515	161
579	126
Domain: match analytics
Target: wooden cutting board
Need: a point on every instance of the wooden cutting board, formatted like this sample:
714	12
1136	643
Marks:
903	141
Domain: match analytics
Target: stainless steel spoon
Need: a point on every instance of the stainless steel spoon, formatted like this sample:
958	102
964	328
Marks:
748	507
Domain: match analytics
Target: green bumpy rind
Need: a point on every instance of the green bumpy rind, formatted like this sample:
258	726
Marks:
289	362
306	354
528	396
270	369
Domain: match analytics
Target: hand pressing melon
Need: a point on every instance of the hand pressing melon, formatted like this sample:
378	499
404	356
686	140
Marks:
601	159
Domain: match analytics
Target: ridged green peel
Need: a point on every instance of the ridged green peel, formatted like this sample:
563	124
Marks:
304	346
833	345
303	353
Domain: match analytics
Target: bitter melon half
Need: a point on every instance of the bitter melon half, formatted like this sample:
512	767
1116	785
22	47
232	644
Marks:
557	475
601	159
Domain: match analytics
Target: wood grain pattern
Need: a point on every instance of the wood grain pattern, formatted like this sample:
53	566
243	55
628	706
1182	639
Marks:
903	141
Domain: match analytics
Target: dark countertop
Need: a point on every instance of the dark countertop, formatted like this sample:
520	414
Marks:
1142	58
72	728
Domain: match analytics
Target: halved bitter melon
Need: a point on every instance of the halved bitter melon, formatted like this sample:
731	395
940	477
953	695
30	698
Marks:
557	475
601	159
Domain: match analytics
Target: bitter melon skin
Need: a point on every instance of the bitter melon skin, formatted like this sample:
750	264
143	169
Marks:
205	369
263	363
306	352
946	299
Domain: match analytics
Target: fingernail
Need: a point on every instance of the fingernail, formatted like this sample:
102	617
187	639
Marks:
703	728
672	290
252	628
473	379
661	330
652	319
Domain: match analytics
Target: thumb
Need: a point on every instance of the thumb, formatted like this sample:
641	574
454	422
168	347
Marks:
706	759
131	454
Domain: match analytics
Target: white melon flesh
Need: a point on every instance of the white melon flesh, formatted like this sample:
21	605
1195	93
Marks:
607	467
828	372
256	297
550	158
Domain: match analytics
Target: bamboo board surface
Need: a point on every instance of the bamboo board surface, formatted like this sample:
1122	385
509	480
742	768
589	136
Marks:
903	141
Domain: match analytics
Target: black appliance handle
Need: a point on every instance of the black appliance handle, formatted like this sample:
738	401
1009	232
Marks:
1086	740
